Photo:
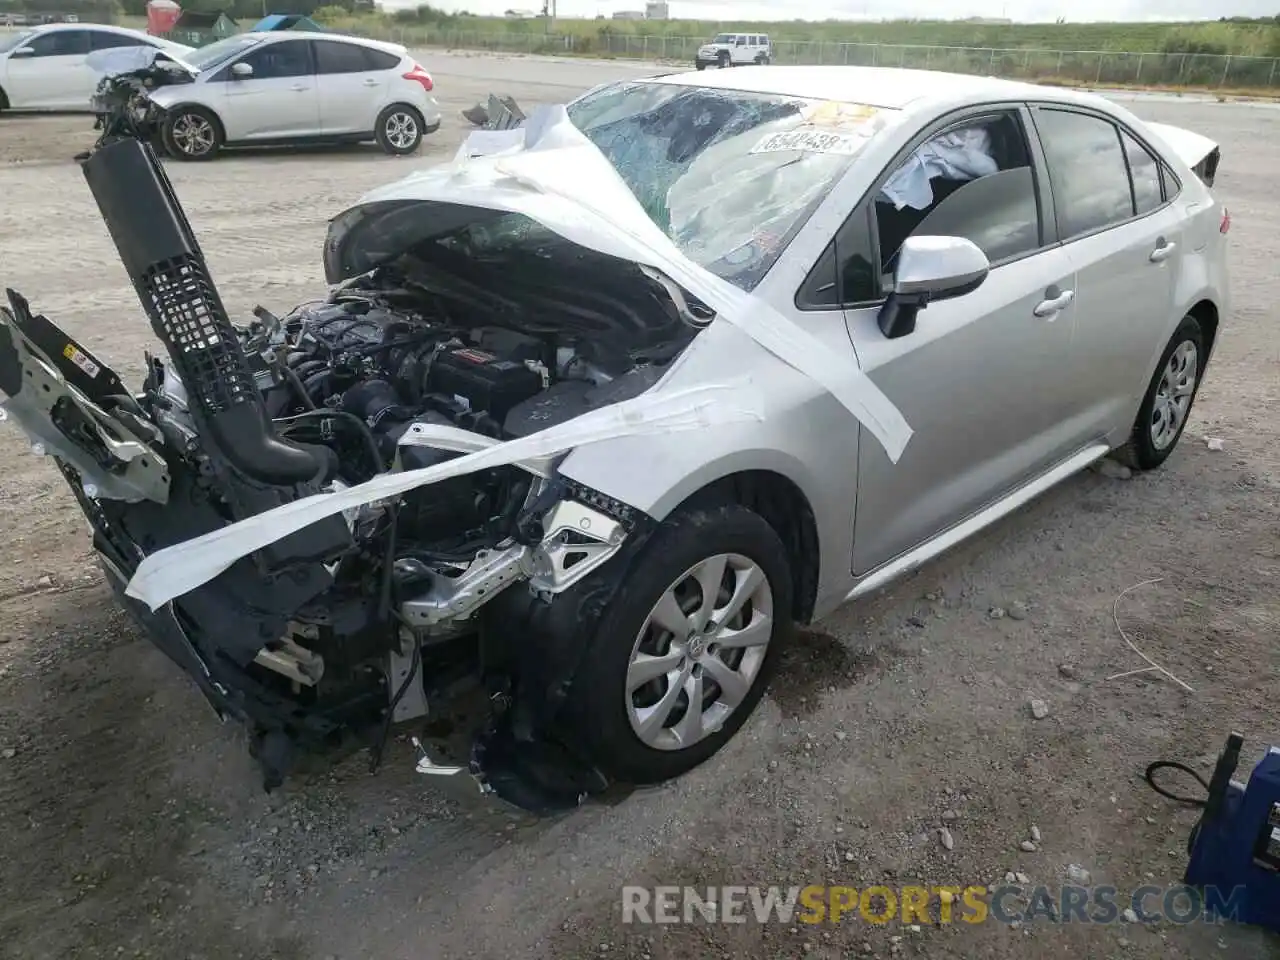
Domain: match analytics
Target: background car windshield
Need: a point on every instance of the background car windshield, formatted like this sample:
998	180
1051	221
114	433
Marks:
723	38
729	176
206	58
15	40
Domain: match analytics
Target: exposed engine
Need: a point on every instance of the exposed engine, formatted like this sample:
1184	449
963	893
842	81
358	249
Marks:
353	622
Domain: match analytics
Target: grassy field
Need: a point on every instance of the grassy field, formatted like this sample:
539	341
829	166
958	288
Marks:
1235	56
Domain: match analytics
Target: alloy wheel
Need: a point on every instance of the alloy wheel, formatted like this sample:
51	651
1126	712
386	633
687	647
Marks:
402	130
193	135
699	652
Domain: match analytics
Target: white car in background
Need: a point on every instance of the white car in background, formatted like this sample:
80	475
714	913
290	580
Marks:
735	50
289	88
46	68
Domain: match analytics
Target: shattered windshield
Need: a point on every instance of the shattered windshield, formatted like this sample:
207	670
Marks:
730	176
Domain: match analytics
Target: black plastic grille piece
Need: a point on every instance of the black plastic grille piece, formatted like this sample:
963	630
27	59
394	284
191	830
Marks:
183	304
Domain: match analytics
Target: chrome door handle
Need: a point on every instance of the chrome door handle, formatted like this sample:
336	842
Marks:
1163	251
371	82
1054	305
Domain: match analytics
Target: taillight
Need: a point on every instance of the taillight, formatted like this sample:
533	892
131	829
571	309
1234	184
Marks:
1225	226
420	75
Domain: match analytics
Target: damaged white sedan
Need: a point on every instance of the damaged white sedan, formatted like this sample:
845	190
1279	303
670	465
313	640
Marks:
599	409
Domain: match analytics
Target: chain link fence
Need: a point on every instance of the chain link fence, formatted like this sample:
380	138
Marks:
1091	67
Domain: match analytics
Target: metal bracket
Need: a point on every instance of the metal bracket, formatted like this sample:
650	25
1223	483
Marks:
578	540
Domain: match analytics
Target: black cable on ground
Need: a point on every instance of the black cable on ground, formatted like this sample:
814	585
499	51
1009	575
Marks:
1173	765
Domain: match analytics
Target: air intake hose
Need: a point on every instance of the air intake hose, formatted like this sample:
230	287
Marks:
162	258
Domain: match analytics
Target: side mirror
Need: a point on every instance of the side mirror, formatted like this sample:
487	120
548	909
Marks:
930	268
23	52
241	70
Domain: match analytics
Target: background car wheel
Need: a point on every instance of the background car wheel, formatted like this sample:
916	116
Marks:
724	61
700	66
762	60
1166	407
399	129
191	133
684	652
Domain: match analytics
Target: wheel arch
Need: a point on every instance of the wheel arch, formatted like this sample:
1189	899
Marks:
4	99
781	503
1207	315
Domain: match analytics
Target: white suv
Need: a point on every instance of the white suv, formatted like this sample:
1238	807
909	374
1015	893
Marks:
734	50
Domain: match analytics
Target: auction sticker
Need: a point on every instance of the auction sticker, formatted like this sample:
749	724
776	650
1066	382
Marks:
812	141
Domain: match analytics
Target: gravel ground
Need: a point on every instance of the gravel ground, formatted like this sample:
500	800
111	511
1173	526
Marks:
133	824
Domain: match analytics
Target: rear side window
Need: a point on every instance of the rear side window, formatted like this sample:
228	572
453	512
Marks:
335	57
1088	171
1148	187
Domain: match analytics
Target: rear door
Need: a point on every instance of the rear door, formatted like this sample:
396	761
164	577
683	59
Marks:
53	76
279	100
1124	235
351	85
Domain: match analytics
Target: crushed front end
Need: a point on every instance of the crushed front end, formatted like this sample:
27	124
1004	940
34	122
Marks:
333	633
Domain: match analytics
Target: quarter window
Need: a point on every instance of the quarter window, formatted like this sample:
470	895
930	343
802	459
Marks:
1148	191
1088	170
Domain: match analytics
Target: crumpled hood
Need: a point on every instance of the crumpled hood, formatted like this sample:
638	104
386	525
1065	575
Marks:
550	172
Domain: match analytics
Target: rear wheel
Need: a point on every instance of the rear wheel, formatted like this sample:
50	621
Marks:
762	59
399	129
1166	407
683	654
191	133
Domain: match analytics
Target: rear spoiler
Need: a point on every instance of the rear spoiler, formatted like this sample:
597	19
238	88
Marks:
1198	152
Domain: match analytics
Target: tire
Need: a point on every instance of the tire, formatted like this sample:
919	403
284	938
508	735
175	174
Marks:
605	717
723	61
400	129
762	60
700	66
1159	424
192	134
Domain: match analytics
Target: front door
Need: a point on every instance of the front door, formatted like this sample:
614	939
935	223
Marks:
278	100
53	75
983	379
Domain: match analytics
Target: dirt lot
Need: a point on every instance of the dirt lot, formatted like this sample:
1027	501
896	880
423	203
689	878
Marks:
133	824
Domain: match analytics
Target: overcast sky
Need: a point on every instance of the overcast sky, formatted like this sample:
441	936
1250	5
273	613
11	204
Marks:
1022	10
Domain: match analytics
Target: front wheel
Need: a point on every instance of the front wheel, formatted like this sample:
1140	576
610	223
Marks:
191	133
682	655
1166	406
399	130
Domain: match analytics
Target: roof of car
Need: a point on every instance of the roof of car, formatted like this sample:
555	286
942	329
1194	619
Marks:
278	36
886	87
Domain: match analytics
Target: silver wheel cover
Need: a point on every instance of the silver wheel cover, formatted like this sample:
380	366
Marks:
699	652
1174	393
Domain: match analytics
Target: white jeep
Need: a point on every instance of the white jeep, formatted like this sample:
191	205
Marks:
734	50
